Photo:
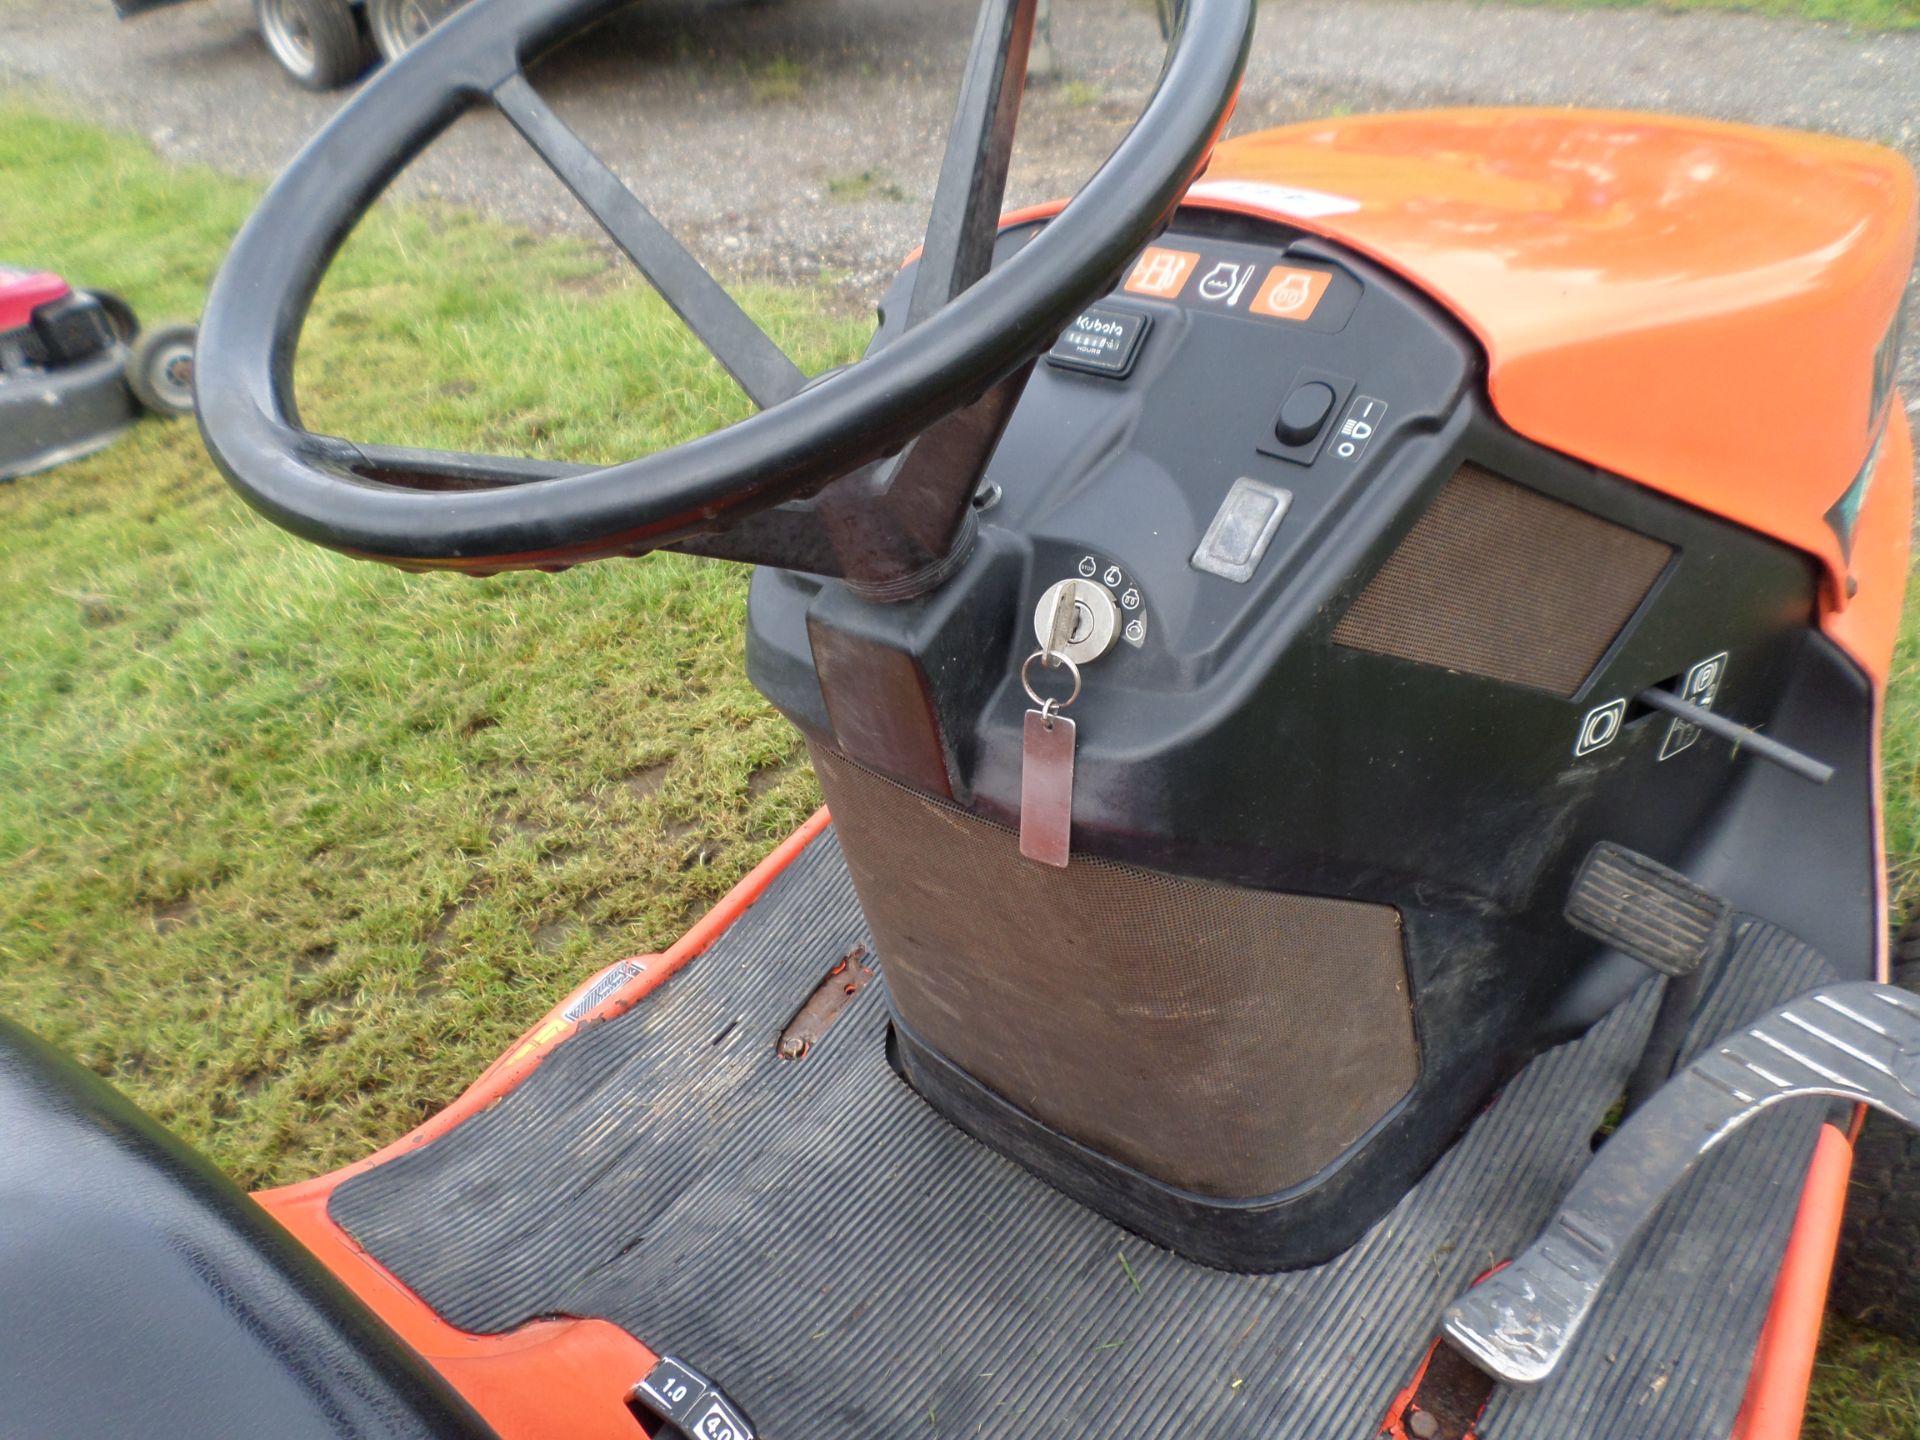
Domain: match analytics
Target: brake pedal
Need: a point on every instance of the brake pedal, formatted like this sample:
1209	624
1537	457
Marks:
1857	1041
1644	909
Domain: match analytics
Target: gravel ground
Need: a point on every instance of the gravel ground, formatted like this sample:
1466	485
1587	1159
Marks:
798	139
802	136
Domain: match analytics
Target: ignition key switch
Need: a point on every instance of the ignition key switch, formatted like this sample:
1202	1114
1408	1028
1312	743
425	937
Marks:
1087	617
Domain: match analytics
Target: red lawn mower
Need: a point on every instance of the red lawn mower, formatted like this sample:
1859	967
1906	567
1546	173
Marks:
76	371
1345	667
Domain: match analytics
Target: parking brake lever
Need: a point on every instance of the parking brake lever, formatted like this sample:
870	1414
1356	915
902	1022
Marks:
1741	737
1857	1041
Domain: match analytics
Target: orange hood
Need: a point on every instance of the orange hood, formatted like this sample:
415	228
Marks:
1693	305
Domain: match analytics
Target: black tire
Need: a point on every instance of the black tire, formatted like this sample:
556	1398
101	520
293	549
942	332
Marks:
160	370
397	24
1876	1274
317	42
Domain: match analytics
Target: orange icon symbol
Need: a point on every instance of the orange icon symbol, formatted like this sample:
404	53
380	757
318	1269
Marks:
1162	273
1291	294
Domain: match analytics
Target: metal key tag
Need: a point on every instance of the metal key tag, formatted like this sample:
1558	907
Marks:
1046	770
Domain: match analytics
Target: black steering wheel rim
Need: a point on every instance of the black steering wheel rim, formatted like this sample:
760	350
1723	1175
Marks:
438	510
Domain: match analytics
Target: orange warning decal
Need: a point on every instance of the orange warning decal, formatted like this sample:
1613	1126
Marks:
1291	293
1162	273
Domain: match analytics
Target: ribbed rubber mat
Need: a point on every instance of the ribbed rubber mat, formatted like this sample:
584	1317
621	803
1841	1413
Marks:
849	1267
1667	1350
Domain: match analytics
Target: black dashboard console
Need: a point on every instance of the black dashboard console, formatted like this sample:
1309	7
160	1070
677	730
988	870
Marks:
1357	669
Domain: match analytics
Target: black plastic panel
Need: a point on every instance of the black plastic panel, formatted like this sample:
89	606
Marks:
1238	742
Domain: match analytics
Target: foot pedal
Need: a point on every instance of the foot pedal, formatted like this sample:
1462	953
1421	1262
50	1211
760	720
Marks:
1857	1041
689	1404
1642	908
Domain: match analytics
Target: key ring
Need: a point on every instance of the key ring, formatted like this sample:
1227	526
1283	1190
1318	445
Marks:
1049	708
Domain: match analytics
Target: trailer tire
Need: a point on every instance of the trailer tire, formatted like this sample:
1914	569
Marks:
398	24
1876	1273
317	42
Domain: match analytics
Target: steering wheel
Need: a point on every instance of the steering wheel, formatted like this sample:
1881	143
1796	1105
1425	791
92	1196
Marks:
972	330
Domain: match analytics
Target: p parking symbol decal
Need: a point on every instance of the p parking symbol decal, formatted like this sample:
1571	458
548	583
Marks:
1702	687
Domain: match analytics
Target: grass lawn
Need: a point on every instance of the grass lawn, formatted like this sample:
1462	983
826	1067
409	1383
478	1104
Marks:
1866	14
293	846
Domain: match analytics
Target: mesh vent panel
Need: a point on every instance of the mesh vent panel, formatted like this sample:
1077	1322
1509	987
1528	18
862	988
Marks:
1227	1041
1498	580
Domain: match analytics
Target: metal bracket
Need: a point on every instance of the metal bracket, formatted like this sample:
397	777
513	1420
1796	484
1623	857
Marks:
1856	1041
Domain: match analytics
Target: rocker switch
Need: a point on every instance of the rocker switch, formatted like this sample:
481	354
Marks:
1305	414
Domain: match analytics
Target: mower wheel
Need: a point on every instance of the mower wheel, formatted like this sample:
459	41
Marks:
160	369
1876	1274
397	24
318	42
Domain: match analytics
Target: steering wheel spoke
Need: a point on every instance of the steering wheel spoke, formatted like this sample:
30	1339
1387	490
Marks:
746	351
867	475
973	175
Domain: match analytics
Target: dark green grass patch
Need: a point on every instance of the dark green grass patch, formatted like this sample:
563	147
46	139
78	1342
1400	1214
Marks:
1866	1386
291	846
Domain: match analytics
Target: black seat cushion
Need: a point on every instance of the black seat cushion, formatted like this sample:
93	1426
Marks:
142	1293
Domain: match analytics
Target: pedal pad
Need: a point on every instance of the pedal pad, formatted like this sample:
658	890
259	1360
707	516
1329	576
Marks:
1643	909
1856	1041
689	1404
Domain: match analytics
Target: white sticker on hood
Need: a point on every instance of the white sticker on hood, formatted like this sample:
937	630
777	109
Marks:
1281	199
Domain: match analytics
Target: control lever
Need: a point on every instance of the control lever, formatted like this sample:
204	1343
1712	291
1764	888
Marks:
689	1404
1856	1041
1741	737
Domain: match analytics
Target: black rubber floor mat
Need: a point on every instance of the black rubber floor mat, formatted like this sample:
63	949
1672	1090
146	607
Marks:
849	1267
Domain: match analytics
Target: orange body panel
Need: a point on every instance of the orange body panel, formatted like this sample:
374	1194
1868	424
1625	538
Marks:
554	1377
1777	1389
1692	305
548	1379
